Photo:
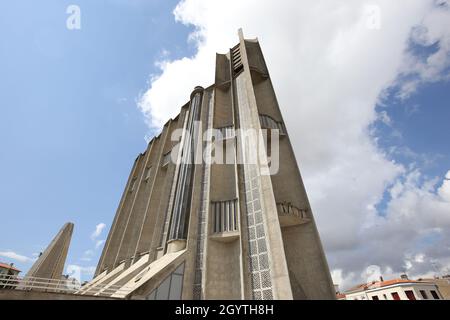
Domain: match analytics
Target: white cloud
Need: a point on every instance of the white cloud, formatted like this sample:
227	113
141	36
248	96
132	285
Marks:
434	30
99	243
87	255
330	66
15	256
80	273
98	230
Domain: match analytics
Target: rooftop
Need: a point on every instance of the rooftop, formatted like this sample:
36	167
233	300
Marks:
380	284
8	266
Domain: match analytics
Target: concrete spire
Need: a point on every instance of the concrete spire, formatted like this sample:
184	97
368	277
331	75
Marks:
50	264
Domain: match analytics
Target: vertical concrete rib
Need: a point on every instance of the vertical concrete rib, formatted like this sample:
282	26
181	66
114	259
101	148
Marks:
200	263
279	274
160	178
128	242
111	246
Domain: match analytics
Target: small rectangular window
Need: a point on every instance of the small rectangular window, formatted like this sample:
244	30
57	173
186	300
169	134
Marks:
434	294
375	298
410	295
424	294
395	296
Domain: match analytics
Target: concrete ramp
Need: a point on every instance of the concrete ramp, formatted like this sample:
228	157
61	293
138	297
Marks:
148	273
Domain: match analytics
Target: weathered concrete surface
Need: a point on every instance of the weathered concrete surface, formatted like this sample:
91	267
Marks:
50	265
260	258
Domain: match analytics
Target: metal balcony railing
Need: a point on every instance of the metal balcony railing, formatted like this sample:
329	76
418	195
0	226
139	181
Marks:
70	286
224	216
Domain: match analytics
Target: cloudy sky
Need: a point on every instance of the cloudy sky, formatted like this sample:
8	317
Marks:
363	87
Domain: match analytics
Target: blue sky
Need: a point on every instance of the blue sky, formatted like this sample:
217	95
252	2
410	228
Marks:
76	106
69	126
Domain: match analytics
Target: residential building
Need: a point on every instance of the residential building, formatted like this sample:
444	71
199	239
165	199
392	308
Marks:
8	269
395	289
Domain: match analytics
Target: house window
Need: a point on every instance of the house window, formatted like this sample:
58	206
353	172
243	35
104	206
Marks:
148	172
385	297
410	295
434	294
375	298
395	296
424	294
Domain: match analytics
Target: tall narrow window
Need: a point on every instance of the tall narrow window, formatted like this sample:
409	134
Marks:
236	59
424	294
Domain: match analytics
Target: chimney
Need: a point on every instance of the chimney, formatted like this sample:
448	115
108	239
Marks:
404	276
381	278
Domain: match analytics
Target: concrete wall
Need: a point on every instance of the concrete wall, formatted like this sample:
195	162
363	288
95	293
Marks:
144	203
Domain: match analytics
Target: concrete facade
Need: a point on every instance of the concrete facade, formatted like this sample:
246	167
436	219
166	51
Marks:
50	264
205	230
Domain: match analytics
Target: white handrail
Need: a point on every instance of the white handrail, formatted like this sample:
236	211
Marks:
55	285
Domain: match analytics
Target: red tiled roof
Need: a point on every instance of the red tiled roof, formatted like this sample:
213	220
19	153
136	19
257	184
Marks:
7	266
362	286
379	284
391	282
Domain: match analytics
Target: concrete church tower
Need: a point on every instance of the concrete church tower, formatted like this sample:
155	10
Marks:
50	264
204	230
